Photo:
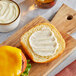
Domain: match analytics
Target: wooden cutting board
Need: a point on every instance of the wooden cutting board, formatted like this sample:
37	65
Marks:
65	22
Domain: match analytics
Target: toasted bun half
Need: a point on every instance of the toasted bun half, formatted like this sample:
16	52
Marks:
11	61
31	53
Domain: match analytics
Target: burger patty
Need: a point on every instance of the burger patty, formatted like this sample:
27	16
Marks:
24	63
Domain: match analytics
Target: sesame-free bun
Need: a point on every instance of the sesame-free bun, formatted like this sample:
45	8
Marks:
30	52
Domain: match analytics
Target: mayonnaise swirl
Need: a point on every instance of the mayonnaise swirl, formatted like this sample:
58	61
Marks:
43	42
8	11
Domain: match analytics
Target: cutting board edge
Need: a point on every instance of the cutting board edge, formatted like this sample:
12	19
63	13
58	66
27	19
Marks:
60	61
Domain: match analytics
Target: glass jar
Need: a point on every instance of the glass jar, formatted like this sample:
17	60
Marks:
45	3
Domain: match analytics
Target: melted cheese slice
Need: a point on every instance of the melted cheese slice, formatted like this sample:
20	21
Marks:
43	42
10	61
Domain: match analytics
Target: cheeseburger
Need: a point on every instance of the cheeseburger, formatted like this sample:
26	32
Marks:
13	62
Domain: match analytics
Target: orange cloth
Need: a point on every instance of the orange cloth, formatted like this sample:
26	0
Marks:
70	70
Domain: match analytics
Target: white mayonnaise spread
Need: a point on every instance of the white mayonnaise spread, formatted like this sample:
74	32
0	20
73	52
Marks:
43	42
8	11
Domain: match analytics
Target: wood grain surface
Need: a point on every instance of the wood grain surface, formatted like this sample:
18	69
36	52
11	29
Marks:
63	25
65	19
